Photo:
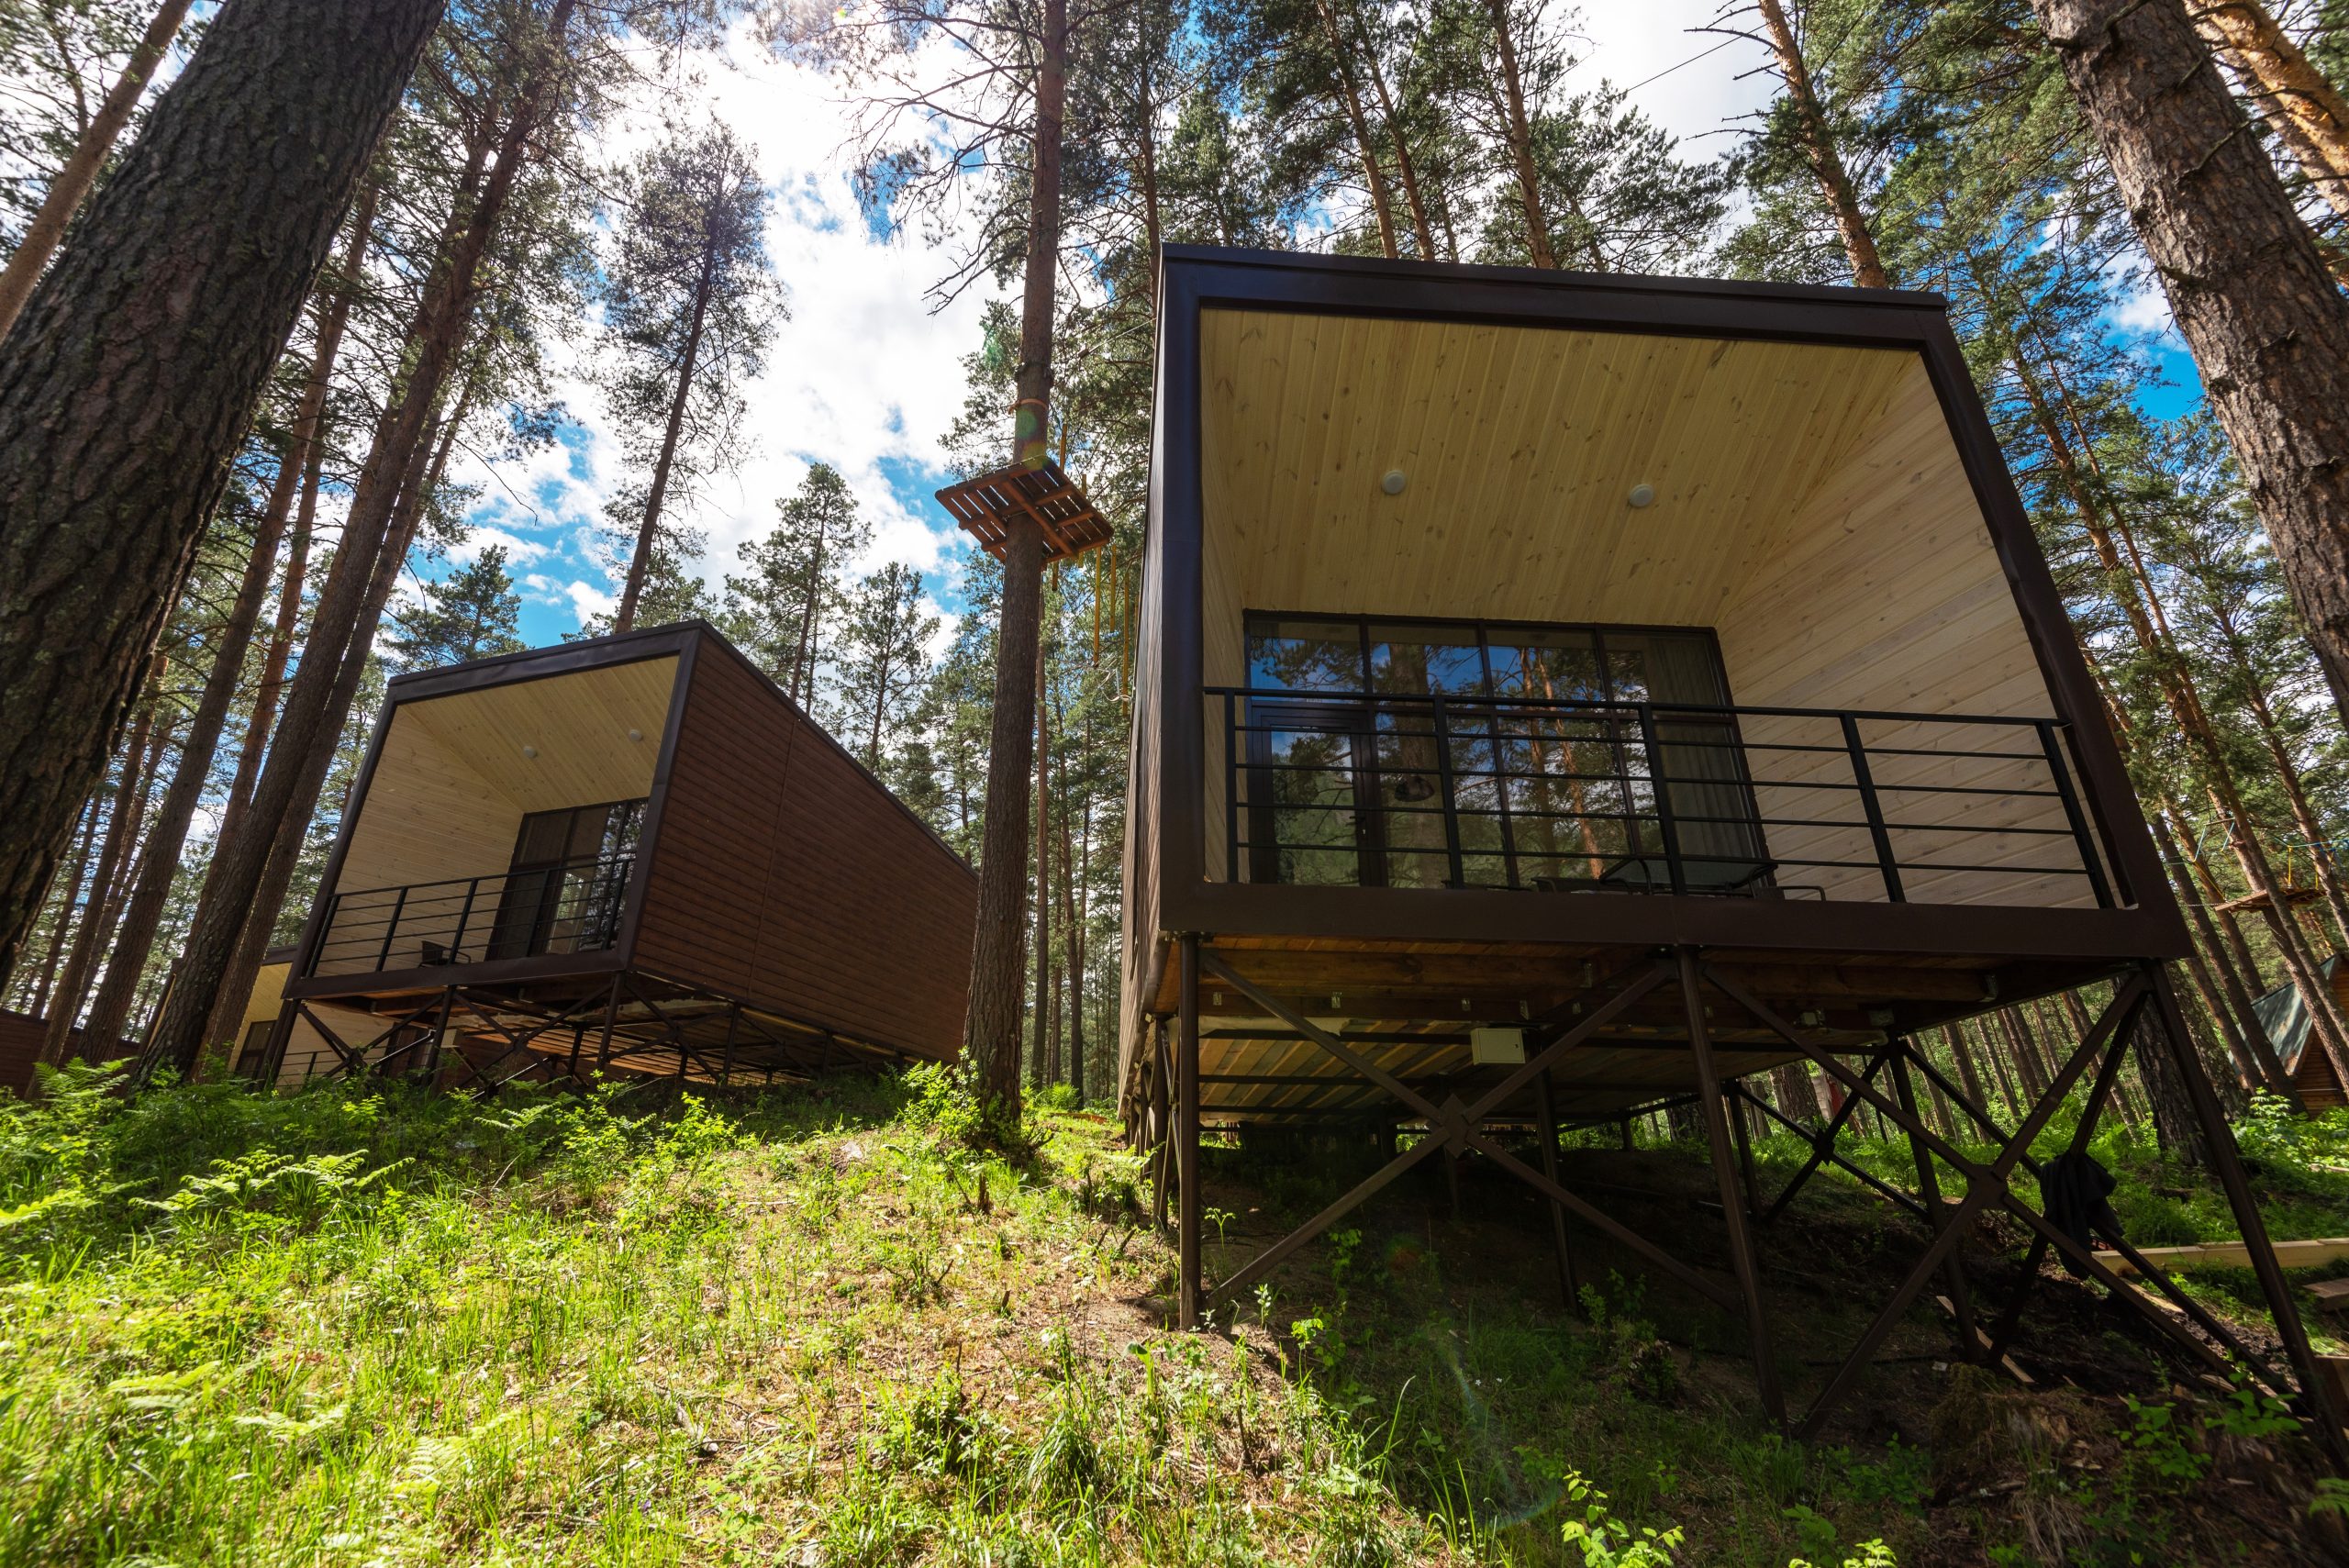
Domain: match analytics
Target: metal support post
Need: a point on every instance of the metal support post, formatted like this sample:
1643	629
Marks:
1740	1240
1545	1110
1187	1139
1929	1188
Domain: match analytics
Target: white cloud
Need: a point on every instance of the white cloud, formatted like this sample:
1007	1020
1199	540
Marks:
519	551
589	600
863	375
2143	308
866	375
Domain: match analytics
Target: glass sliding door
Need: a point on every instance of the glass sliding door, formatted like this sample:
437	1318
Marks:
1492	755
568	878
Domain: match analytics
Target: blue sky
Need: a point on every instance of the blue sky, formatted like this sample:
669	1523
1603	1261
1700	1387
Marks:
865	376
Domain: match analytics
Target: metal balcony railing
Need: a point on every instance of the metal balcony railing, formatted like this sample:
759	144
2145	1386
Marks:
567	908
1378	790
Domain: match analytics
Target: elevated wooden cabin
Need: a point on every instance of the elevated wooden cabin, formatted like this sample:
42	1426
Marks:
1563	695
634	854
2286	1019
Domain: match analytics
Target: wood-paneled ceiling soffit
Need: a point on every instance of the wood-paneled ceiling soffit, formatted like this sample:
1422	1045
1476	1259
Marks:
574	739
1502	429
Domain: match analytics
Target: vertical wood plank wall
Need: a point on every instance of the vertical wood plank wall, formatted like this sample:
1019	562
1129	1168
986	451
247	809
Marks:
782	873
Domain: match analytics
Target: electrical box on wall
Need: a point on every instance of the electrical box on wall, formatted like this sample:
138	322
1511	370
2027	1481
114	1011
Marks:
1496	1047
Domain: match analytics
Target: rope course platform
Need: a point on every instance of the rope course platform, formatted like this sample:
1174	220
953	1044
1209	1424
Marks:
986	505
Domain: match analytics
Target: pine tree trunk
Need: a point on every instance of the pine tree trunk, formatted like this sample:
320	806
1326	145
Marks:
1792	1086
80	171
649	530
271	684
2301	105
232	891
1040	1064
1405	171
39	999
1381	203
1079	882
2176	1127
1962	1055
1521	141
110	1010
1819	148
2267	326
122	832
991	1032
2243	1019
286	853
128	383
1148	149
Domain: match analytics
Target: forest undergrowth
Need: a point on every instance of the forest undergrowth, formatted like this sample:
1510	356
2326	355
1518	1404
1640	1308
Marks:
369	1324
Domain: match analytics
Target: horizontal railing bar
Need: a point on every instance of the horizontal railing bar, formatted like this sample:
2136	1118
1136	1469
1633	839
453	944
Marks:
1465	736
493	876
1469	702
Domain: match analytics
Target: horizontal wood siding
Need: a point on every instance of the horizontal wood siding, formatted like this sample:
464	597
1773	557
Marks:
20	1041
782	873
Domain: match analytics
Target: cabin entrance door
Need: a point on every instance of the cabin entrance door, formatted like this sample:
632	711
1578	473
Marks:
564	891
1312	799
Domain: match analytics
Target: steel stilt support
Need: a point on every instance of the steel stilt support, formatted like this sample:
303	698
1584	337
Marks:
1162	1141
1710	1104
2321	1399
1734	1097
611	1019
1187	1139
1929	1188
1546	1110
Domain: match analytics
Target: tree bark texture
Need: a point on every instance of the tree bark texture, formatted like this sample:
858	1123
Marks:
271	684
2298	102
128	383
2267	326
991	1032
110	1009
73	184
1040	1068
122	831
293	827
34	998
1820	151
232	890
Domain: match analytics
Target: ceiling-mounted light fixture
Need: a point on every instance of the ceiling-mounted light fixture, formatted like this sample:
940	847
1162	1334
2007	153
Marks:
529	750
1393	483
636	734
1641	496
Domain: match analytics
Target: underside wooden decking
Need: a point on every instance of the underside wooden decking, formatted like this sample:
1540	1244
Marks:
1409	1009
635	1024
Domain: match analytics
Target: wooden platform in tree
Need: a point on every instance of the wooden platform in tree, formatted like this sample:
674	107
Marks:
2250	901
986	506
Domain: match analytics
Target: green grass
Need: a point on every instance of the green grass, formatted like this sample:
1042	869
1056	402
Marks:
365	1324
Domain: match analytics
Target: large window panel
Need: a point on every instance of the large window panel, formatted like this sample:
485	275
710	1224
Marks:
1494	755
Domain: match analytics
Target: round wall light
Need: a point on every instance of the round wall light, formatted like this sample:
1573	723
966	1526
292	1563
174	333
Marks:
1641	496
1393	483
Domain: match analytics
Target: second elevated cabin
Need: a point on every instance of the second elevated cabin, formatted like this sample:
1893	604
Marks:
631	854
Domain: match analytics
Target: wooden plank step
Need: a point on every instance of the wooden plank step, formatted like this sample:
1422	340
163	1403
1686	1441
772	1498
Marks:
2331	1295
2232	1255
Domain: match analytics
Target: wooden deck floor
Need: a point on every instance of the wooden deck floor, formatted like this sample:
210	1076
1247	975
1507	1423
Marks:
1411	1010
